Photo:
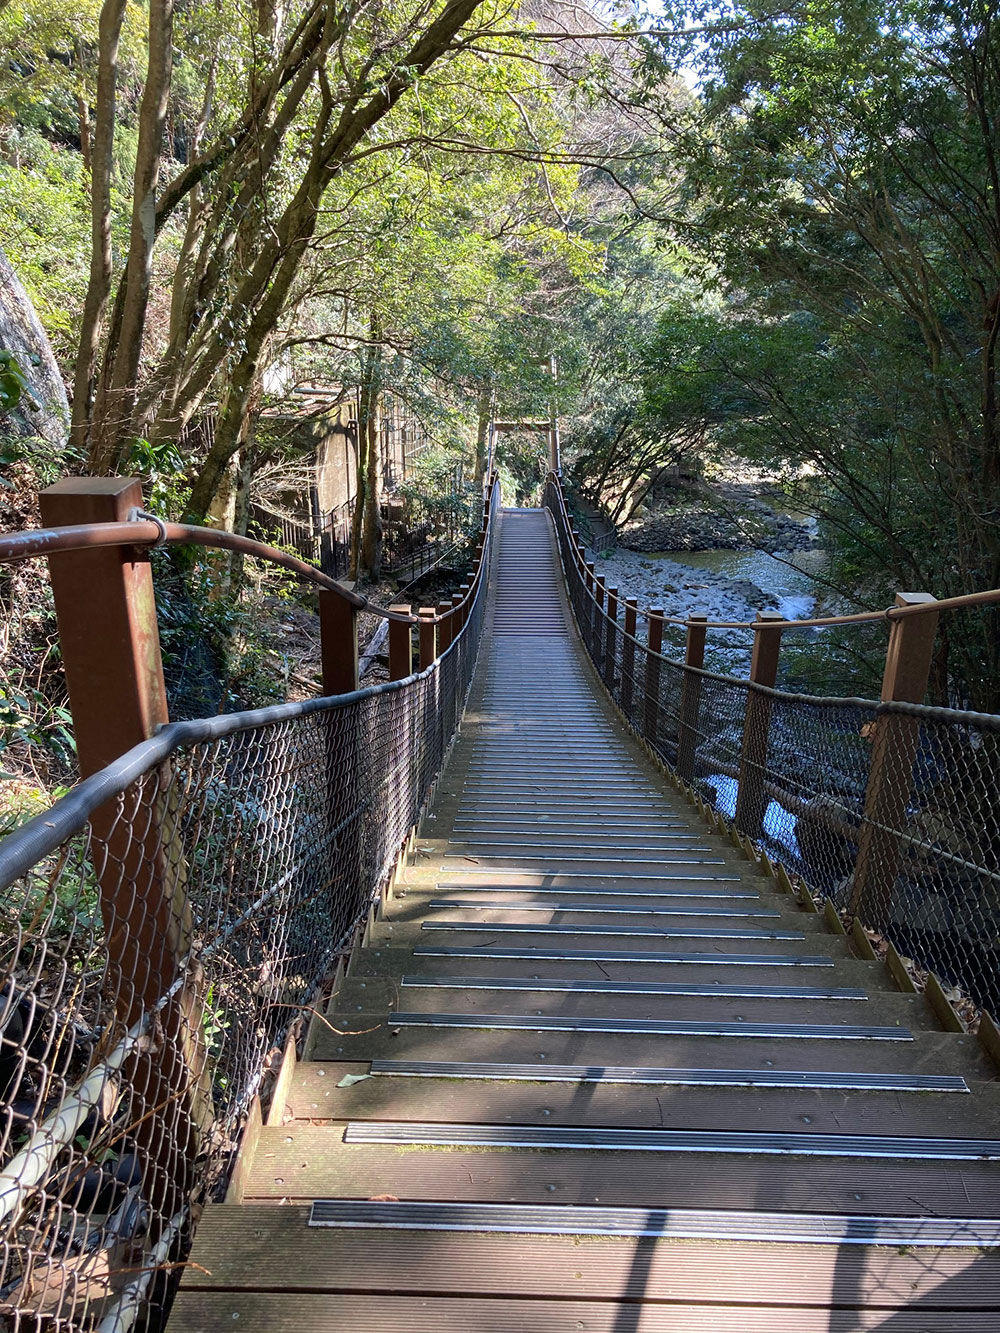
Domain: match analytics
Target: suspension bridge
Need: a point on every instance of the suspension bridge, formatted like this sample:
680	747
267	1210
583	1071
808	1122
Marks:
545	987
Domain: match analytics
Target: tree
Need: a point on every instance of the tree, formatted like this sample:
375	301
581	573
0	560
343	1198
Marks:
842	191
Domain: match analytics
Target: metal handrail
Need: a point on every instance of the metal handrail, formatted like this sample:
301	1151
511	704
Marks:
987	597
145	531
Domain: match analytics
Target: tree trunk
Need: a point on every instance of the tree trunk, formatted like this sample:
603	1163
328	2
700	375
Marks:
116	400
99	283
366	531
83	119
371	533
483	408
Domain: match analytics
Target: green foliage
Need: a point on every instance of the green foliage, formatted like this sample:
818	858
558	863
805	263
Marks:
839	183
45	229
28	718
13	386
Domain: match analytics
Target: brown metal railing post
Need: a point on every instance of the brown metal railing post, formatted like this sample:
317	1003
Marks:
428	637
890	772
694	656
467	608
445	627
338	637
597	629
651	702
628	654
109	640
590	580
400	645
751	801
610	638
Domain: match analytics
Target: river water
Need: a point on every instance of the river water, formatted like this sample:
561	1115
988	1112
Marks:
788	579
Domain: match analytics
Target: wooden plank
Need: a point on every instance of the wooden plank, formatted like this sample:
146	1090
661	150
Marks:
392	963
930	1052
282	1312
989	1037
863	946
264	1248
832	918
244	1157
316	1096
890	1009
898	970
941	1005
276	1105
310	1162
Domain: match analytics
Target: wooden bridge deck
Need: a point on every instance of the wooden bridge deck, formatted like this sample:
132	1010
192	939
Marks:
590	1072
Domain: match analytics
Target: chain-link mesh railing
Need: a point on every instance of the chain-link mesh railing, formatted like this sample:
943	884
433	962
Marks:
164	925
891	810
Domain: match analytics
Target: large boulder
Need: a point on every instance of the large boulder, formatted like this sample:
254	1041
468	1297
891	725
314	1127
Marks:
45	412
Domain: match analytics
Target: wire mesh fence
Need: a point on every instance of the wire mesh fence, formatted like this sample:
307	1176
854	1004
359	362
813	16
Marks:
891	810
164	925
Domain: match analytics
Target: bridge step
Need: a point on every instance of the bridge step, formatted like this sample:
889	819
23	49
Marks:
302	1161
259	1253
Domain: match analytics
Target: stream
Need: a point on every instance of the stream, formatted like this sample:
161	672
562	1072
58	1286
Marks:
789	579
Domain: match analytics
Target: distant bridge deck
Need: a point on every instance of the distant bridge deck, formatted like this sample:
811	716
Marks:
590	1071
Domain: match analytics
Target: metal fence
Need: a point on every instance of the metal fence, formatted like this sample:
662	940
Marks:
164	925
889	809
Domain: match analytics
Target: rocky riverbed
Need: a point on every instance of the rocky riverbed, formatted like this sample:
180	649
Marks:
727	517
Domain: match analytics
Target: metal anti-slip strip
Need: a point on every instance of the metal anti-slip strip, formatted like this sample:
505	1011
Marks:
535	828
672	1140
653	894
616	909
714	1078
663	1027
614	932
582	986
469	869
537	835
491	847
668	1224
623	956
668	856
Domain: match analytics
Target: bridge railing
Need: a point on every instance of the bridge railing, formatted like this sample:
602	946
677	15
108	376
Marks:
887	808
165	925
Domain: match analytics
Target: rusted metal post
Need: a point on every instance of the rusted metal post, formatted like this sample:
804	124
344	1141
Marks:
890	772
694	656
463	597
597	628
400	645
456	616
109	641
628	655
107	623
751	798
651	703
610	638
428	637
445	627
590	605
338	637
